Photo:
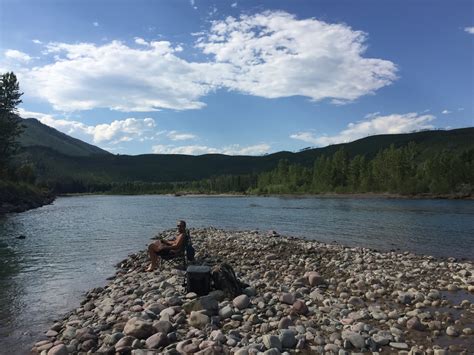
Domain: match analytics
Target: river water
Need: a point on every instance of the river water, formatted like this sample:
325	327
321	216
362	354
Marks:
73	244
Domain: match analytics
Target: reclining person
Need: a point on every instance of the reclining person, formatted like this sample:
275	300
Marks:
166	247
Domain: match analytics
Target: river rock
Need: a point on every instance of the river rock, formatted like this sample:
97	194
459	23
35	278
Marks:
300	307
241	301
156	341
59	349
198	320
287	298
287	338
138	328
271	341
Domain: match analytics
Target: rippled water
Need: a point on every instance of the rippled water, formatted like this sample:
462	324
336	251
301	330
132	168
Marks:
73	244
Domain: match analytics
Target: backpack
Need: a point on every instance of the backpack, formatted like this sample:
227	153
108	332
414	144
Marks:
223	277
190	251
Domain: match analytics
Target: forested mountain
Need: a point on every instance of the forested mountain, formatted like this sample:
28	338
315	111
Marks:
69	165
37	134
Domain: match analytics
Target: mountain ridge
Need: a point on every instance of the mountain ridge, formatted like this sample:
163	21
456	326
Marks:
59	162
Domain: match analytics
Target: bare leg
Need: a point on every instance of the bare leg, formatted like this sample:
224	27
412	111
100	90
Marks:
154	248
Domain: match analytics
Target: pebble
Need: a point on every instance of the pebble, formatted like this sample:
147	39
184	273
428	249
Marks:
303	296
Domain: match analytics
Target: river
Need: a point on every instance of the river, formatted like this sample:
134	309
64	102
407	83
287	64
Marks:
73	244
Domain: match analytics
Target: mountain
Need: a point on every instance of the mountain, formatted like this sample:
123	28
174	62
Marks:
36	134
57	156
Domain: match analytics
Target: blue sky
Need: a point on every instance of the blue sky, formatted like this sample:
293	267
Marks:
239	77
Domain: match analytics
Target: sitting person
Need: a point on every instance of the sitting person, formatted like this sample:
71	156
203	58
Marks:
166	246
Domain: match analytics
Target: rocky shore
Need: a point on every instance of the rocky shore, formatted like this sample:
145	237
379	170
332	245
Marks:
304	297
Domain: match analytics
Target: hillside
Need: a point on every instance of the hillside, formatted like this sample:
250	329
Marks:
37	134
61	159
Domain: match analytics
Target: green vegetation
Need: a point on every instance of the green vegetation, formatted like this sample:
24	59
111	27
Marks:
393	170
10	125
17	189
428	162
38	134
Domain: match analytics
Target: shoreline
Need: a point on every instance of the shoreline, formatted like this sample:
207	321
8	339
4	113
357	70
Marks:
303	296
367	195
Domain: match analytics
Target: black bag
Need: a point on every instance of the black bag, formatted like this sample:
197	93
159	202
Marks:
223	277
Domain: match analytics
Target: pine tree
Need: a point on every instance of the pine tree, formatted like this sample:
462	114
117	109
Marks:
10	122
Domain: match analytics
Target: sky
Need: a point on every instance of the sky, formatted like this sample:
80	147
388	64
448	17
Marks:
239	77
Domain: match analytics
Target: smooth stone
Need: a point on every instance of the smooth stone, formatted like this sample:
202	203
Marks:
226	312
138	328
157	340
300	307
163	326
241	301
59	349
399	346
287	338
51	333
284	323
271	341
198	320
287	298
451	331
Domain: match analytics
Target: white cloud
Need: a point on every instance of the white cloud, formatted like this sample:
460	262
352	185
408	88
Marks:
446	112
235	149
469	30
234	4
114	132
37	41
87	76
17	55
176	136
391	124
141	41
96	24
273	54
372	115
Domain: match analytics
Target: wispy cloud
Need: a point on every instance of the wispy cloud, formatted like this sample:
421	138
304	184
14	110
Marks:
17	55
235	149
390	124
469	30
234	4
37	41
177	136
95	24
446	112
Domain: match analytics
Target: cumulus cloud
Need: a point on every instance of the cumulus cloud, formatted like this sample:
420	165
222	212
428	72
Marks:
390	124
274	54
234	149
271	54
17	55
114	132
176	136
469	30
87	76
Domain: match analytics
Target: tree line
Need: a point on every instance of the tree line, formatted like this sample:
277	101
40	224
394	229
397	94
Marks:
402	170
406	170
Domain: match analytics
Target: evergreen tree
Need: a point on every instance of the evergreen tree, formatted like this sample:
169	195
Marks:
10	122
